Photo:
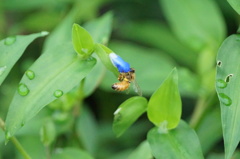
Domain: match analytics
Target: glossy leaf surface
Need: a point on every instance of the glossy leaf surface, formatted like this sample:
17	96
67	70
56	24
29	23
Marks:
12	49
179	143
127	113
56	73
227	86
164	106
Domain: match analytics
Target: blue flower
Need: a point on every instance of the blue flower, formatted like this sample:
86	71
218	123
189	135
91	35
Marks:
118	62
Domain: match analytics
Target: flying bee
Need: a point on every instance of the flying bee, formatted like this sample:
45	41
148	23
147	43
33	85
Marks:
126	76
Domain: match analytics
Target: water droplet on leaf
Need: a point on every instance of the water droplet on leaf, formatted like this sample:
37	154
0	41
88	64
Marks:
225	99
58	93
2	69
221	83
219	63
23	89
228	77
30	74
10	40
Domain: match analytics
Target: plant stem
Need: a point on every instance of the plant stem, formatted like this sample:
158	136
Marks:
202	105
15	142
20	148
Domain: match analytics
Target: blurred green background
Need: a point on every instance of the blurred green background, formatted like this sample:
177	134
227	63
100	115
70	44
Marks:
144	35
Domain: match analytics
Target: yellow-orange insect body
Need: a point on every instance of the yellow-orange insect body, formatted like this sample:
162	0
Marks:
121	86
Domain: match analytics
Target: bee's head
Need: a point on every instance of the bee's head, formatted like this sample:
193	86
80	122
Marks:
132	70
114	87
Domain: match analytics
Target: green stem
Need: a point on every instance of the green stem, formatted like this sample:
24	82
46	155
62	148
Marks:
15	142
198	112
20	148
202	105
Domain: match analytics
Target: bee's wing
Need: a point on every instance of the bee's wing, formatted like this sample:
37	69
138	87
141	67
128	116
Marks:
136	87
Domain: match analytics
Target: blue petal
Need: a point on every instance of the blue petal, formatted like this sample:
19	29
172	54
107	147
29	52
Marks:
118	62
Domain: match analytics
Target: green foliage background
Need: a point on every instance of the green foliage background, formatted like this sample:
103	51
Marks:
154	37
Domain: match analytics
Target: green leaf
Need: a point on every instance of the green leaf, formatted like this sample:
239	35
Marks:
56	73
71	153
127	113
12	49
103	53
197	23
227	87
87	131
235	4
101	28
82	41
179	143
143	151
164	106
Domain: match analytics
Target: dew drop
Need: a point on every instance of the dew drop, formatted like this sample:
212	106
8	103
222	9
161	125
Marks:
23	89
228	77
58	93
219	63
221	83
2	69
225	99
30	74
10	40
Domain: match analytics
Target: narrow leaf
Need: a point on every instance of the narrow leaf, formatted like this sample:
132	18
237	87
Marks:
127	113
56	73
12	49
71	153
82	41
235	4
179	143
164	106
227	86
197	23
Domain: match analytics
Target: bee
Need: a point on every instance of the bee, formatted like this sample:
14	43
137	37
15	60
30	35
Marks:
126	76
